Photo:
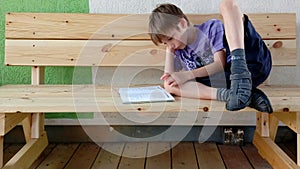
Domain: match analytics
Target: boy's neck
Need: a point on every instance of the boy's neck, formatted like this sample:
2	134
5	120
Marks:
192	35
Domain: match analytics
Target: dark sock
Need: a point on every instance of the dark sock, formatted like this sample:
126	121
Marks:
238	61
241	82
223	94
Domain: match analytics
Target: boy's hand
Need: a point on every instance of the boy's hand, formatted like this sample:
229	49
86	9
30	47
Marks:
168	79
165	76
177	78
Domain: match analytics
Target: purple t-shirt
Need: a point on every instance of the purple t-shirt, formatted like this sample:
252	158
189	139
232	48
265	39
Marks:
209	40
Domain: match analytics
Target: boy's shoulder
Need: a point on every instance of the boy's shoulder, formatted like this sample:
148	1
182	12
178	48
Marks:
211	24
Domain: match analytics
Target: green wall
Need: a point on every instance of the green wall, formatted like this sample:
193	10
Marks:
54	75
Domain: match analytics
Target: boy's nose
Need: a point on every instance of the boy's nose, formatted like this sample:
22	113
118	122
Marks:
171	45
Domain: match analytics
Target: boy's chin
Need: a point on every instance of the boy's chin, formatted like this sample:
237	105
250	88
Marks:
181	47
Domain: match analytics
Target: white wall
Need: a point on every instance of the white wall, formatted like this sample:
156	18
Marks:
204	6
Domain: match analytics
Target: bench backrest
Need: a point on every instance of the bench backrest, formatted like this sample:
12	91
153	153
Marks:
60	39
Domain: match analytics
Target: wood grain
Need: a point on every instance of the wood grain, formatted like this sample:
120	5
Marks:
122	26
112	53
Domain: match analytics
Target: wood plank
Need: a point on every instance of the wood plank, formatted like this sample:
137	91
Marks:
121	26
43	156
269	25
298	122
274	122
67	90
134	156
28	154
10	151
272	153
255	159
109	156
1	151
284	52
9	121
209	156
83	53
112	53
84	156
298	148
59	157
184	156
26	125
37	119
158	155
37	75
289	119
90	98
234	157
262	124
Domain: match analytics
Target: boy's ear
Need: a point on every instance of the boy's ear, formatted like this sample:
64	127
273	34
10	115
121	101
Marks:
182	23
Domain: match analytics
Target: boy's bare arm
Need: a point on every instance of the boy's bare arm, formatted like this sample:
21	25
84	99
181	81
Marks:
215	67
178	78
169	62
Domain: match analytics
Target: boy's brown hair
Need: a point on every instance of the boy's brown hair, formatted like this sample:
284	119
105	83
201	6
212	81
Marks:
163	19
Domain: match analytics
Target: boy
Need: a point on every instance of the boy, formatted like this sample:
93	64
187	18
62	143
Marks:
221	62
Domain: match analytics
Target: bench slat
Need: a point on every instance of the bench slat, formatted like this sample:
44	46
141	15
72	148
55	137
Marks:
284	52
111	53
121	26
83	53
87	98
32	91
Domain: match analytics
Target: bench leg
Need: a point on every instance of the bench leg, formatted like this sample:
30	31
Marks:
35	136
26	123
28	154
1	150
264	142
298	149
37	127
268	149
273	126
262	124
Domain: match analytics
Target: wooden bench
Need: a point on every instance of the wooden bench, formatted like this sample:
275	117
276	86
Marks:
38	40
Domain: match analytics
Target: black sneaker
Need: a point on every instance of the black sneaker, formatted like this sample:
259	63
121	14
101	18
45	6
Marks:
260	101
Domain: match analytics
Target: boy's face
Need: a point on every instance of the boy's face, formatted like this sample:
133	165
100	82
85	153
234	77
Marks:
176	38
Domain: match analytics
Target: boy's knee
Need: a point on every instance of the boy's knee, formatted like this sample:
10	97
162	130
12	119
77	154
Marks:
227	5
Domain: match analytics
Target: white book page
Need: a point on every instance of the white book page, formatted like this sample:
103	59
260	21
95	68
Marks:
145	94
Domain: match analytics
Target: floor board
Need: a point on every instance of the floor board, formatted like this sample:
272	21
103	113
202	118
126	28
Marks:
230	154
152	155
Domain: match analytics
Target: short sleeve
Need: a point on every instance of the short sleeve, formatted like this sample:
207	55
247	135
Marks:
177	64
216	35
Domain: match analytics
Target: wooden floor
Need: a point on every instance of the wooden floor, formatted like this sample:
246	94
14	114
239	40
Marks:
187	155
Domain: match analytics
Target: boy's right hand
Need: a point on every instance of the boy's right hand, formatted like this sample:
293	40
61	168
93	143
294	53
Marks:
165	76
168	79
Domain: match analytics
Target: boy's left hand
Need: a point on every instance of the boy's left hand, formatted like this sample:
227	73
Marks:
168	79
180	77
177	78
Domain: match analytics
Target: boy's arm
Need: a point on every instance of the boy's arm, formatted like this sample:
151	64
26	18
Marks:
215	67
169	62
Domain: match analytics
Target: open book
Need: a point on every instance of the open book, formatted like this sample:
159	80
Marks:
145	94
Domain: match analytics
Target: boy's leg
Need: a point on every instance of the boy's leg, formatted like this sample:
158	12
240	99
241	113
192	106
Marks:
241	83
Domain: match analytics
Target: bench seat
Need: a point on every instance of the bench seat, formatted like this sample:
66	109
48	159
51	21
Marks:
94	98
